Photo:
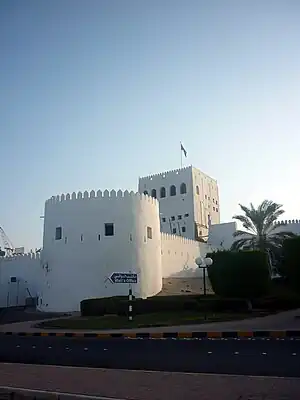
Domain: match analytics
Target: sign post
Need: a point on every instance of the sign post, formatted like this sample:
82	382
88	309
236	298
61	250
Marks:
129	278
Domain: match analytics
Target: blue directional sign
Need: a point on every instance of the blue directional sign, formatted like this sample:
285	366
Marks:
123	277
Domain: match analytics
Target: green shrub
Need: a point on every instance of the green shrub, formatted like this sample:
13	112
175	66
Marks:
291	261
119	305
239	274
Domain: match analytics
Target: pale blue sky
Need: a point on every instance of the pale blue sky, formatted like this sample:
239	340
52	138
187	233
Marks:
94	93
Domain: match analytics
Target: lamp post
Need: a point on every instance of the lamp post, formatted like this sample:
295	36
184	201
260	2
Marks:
204	264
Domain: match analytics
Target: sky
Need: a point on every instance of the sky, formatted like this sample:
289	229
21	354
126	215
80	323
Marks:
95	93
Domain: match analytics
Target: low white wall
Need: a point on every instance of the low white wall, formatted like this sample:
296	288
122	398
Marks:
220	236
28	273
178	256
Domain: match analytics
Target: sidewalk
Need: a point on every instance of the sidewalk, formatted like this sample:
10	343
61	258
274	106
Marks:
284	321
145	385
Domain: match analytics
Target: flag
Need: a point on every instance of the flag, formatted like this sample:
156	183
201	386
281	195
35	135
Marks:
183	149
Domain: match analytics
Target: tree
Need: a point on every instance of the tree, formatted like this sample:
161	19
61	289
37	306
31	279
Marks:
261	233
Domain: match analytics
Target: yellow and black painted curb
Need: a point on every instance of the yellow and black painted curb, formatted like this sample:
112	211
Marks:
165	335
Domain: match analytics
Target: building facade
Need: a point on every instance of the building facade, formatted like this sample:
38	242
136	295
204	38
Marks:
188	201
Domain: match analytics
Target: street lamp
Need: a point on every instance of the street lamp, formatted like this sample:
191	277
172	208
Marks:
204	264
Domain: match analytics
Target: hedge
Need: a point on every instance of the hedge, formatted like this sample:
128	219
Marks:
119	305
291	261
242	274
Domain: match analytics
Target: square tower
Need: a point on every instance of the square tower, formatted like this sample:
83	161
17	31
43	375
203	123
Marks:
188	201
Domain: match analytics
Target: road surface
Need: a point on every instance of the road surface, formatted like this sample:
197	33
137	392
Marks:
248	357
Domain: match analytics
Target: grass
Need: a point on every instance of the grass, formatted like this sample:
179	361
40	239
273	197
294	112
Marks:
143	320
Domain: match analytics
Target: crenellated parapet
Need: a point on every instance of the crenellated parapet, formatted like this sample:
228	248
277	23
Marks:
23	257
101	195
287	222
165	174
179	239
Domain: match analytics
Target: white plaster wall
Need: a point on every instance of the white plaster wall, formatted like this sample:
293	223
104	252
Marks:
289	226
171	208
27	269
207	201
79	265
178	256
221	236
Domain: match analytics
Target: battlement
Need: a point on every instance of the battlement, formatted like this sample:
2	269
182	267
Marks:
179	239
286	222
113	194
165	174
29	256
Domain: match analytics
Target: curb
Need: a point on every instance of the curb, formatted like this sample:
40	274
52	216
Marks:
165	335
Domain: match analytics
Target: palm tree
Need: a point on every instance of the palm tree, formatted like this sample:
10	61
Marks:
261	232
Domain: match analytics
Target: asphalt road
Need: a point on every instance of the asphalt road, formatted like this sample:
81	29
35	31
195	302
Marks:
247	357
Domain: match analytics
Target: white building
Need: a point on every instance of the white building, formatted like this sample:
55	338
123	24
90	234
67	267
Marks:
188	201
89	236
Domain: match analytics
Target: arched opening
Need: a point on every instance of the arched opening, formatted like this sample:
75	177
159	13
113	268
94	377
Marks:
162	192
183	188
173	190
197	190
153	193
146	192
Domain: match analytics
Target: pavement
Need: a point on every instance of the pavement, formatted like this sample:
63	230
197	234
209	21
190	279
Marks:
141	385
255	357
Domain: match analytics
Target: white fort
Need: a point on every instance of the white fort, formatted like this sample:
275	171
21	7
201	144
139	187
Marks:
156	233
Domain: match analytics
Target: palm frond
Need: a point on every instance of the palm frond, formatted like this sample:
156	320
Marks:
244	233
246	221
244	243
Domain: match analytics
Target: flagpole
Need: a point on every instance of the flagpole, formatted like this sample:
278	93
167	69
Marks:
180	155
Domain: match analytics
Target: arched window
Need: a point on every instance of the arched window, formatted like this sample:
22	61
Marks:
173	190
162	192
197	190
153	193
145	192
183	188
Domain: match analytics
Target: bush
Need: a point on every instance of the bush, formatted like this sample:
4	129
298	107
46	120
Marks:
239	274
101	306
119	305
291	261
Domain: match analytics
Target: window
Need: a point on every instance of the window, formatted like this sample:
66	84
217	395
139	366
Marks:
213	200
206	196
214	209
209	198
13	279
58	233
174	230
66	239
149	232
216	201
163	219
183	188
197	190
173	218
162	192
179	216
146	192
153	193
81	238
183	229
109	229
186	215
217	209
99	237
173	190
